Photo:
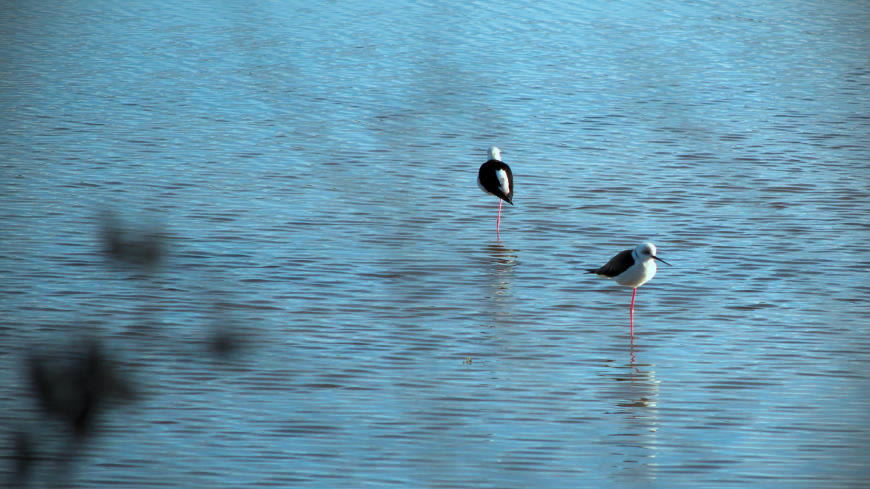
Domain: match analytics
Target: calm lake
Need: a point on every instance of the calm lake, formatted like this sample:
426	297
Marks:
329	305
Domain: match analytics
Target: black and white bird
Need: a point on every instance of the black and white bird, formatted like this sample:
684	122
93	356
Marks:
631	268
496	178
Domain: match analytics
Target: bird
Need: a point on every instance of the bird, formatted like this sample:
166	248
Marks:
631	268
495	177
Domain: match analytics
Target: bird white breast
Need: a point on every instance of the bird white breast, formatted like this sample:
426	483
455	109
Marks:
638	274
503	182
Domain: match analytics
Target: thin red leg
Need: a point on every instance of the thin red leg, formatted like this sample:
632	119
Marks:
498	219
631	313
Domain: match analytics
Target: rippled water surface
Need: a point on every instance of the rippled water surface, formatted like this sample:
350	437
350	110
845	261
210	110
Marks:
332	307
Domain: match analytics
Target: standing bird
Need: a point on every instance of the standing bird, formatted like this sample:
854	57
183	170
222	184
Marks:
495	177
631	268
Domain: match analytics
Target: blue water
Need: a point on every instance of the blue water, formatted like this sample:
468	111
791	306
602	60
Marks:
310	170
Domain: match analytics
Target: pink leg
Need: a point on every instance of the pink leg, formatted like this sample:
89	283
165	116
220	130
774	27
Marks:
498	219
631	313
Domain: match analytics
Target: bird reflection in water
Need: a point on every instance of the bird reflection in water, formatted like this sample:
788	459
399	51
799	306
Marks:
132	245
499	272
503	261
633	390
644	386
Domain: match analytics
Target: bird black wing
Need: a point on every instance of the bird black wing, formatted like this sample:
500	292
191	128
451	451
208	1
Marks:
618	264
488	179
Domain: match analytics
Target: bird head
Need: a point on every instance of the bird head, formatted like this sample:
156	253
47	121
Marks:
647	250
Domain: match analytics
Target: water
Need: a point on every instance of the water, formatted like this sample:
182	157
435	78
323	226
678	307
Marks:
312	172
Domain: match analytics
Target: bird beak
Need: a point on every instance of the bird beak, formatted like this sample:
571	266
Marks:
659	259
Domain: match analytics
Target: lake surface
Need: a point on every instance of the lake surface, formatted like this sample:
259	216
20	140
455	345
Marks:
332	307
